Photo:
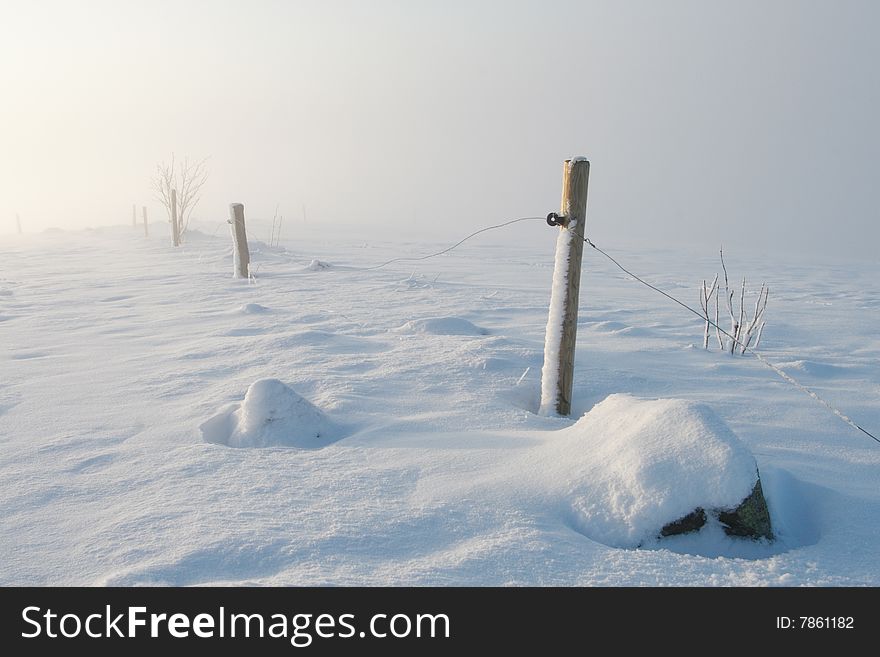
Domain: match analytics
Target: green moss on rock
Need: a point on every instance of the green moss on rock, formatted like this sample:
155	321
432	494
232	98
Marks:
751	518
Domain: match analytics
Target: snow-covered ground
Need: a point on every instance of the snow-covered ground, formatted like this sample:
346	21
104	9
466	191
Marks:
130	453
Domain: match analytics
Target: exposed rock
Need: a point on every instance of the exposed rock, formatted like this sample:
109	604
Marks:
689	523
751	518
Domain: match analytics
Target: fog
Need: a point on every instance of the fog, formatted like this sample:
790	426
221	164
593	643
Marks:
748	123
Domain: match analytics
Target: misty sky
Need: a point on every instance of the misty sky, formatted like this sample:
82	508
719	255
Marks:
743	122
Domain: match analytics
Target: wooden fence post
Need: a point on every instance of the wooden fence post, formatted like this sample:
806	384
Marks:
175	229
241	257
134	216
18	222
557	374
146	227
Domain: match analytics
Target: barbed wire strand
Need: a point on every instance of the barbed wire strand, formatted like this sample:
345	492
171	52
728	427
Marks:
745	350
456	245
785	376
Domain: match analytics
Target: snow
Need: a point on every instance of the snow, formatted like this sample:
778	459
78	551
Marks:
340	449
253	309
317	265
812	368
442	326
271	415
632	466
626	468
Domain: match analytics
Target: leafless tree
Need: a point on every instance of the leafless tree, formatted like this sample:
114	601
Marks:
706	293
178	186
743	329
275	235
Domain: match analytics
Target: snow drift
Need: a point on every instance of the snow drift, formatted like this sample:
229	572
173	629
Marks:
442	326
272	415
317	265
446	475
253	309
629	466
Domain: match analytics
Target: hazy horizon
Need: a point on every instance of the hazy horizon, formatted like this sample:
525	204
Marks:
747	123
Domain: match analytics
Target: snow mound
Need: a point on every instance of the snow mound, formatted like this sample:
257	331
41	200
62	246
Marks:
617	328
812	368
608	326
317	265
253	309
442	326
272	415
631	466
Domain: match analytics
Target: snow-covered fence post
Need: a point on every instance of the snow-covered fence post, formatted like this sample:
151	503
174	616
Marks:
175	228
559	341
18	223
241	257
134	215
146	227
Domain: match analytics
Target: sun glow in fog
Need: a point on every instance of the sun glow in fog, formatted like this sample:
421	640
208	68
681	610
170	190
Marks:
698	117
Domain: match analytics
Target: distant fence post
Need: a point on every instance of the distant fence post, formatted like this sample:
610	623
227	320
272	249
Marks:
241	257
557	374
175	229
134	216
18	222
146	227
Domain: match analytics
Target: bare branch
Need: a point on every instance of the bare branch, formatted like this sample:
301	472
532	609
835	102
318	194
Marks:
757	311
728	294
705	298
764	305
188	179
742	326
760	333
274	220
724	269
704	304
742	311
